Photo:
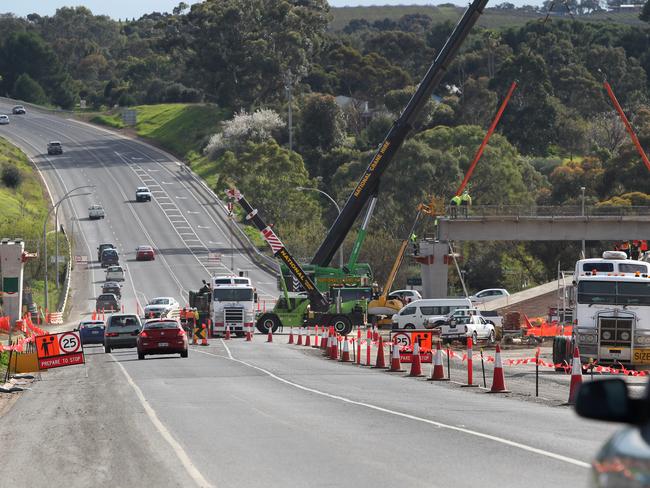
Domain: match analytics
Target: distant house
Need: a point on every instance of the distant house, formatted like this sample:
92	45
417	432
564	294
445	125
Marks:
629	7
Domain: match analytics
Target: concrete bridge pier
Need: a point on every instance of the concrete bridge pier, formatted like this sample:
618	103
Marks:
434	260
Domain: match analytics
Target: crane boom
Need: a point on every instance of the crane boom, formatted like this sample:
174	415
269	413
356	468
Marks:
368	184
318	301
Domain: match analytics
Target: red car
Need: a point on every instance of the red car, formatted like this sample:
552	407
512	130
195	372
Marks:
162	336
144	253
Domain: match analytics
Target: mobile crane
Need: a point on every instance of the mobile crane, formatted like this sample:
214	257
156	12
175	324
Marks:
368	185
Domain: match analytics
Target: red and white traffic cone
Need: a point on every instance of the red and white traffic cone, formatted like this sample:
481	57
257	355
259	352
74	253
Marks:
290	336
416	363
249	334
316	343
375	333
369	349
326	345
381	361
345	355
395	364
324	340
576	376
226	335
334	347
269	337
499	380
470	367
307	338
438	372
299	343
359	346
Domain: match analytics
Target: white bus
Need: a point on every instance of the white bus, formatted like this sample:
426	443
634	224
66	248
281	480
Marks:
611	304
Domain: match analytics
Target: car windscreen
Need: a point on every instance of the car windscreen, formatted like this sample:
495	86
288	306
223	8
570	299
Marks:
232	295
159	301
91	325
108	296
162	325
109	253
123	321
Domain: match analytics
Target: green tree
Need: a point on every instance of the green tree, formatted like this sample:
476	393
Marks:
321	125
27	89
645	12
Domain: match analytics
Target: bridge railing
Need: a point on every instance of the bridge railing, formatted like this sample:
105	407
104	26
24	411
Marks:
549	211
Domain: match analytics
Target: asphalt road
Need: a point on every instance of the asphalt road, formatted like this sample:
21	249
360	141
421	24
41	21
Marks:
245	414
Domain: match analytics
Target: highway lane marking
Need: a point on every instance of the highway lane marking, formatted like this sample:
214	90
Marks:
500	440
185	460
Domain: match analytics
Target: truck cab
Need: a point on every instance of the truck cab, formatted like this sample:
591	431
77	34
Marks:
232	301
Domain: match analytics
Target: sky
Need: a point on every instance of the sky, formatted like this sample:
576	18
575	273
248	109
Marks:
126	9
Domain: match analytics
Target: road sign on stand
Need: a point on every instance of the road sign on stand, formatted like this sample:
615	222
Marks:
57	350
405	340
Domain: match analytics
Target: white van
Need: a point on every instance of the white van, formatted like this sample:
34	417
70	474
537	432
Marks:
413	315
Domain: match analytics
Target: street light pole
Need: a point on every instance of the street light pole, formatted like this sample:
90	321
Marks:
302	188
47	218
582	189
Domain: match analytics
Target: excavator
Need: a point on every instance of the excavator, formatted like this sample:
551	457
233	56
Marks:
366	188
382	308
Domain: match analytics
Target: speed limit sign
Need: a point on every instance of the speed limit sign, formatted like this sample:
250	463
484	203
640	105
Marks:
69	342
402	339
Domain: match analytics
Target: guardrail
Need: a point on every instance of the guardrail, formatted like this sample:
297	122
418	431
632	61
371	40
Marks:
549	211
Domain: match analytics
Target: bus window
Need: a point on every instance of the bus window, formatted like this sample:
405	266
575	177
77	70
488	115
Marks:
632	268
599	267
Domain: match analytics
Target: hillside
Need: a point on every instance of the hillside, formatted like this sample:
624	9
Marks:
492	18
177	127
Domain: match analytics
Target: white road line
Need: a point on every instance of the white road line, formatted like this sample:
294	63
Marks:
500	440
173	443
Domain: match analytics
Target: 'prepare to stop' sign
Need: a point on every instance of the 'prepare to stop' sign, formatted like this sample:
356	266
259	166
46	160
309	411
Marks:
56	350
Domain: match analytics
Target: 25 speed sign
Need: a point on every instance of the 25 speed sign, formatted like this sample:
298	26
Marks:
57	350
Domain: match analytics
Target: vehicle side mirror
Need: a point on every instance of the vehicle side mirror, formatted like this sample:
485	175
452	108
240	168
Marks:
606	400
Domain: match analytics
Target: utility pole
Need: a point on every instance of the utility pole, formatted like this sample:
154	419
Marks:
582	189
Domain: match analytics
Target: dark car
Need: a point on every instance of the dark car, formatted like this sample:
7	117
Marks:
110	257
54	147
162	336
624	461
18	110
91	331
112	287
101	248
107	302
144	253
121	331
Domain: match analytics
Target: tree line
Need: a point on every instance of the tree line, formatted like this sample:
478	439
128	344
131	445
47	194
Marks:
558	134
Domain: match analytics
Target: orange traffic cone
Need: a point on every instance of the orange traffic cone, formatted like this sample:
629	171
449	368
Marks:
299	343
416	363
307	338
395	364
438	372
381	361
345	355
290	336
576	376
226	335
94	315
470	365
204	335
499	381
269	337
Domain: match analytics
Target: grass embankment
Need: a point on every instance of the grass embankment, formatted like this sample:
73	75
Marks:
22	211
180	128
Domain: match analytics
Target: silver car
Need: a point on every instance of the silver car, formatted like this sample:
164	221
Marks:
122	331
4	120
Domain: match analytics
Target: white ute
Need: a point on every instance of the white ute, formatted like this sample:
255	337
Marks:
160	306
466	326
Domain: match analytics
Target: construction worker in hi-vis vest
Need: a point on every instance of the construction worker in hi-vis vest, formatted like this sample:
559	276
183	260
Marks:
455	203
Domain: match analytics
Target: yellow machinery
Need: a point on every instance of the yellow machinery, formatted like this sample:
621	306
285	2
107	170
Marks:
382	308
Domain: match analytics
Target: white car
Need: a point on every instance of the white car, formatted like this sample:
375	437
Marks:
431	310
96	212
407	296
142	194
114	273
4	120
489	294
160	306
465	326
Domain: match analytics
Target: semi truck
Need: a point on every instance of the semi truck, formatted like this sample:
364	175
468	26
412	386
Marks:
227	301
